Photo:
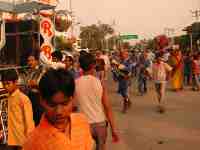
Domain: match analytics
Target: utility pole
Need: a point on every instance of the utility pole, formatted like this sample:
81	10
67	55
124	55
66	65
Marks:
191	41
115	40
170	33
196	14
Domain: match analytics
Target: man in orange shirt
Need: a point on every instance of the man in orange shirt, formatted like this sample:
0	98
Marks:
59	128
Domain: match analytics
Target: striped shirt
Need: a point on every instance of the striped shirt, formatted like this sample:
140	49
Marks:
195	67
3	94
159	72
46	137
4	114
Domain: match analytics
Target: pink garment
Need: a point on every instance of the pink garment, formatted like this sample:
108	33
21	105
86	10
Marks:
159	71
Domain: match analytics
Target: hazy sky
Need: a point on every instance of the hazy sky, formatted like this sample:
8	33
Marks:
146	18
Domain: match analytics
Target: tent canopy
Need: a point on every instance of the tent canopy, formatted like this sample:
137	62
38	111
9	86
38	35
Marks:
24	7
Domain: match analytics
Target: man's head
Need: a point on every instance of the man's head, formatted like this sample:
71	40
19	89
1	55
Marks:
98	54
145	54
124	54
159	58
57	90
87	62
57	56
9	79
32	61
69	61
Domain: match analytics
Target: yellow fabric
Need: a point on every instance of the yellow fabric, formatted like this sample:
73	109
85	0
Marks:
177	76
20	118
177	79
46	137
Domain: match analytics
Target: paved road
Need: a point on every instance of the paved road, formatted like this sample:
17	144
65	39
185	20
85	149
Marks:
142	128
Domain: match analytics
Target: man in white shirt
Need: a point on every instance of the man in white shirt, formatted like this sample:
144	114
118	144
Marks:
92	98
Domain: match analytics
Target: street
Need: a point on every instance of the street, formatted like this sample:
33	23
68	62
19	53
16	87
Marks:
142	128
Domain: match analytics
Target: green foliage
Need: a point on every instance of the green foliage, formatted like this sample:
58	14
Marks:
93	36
151	44
196	31
114	43
62	43
183	41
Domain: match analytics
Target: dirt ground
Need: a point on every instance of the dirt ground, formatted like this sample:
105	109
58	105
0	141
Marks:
142	128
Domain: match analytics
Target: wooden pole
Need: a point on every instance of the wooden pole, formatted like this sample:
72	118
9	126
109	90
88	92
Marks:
17	40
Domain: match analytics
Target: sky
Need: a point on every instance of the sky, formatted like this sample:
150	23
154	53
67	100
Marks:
147	18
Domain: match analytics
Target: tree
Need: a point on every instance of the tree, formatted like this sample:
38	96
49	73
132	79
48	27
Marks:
114	42
93	36
183	41
196	31
63	43
151	44
193	30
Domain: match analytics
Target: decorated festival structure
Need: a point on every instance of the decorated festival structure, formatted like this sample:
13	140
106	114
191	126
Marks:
27	26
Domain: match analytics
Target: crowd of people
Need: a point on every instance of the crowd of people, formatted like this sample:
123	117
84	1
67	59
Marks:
178	69
64	101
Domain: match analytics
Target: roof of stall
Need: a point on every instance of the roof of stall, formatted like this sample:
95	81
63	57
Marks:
24	7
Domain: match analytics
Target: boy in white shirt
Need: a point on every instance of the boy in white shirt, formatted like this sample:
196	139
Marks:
92	98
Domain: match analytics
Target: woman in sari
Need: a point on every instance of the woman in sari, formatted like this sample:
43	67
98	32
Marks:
177	73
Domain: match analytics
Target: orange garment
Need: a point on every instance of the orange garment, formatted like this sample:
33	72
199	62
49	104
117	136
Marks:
177	74
46	137
20	118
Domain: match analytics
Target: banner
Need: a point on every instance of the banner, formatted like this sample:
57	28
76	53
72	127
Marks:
47	30
47	49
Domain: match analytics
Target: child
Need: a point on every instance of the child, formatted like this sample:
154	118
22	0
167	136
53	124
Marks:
59	128
20	115
124	80
160	69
